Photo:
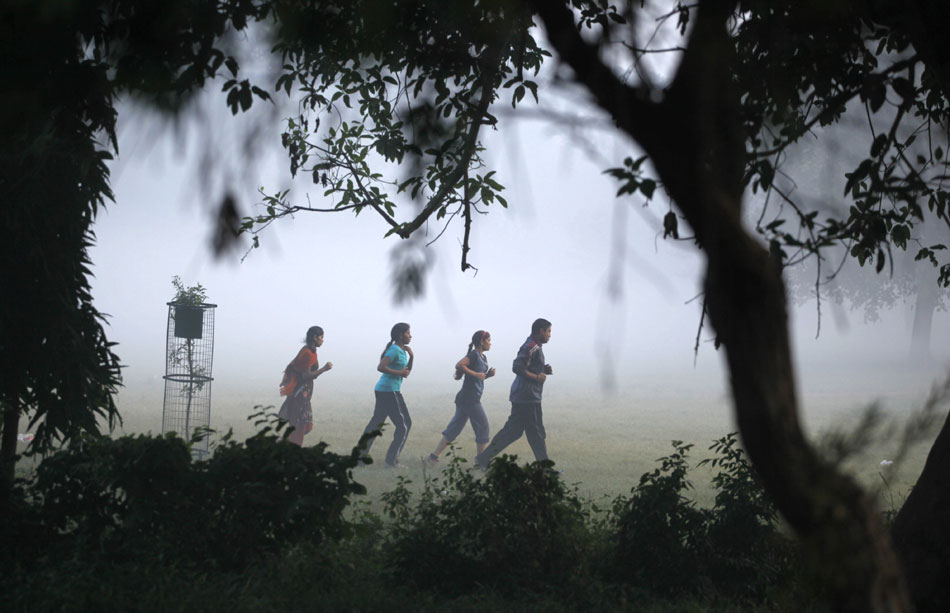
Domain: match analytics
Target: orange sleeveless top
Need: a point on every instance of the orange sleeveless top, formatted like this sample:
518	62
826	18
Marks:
302	363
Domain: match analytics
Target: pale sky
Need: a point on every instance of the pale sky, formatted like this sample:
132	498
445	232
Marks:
548	255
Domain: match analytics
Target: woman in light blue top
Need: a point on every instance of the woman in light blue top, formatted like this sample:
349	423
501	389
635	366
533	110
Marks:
468	402
395	364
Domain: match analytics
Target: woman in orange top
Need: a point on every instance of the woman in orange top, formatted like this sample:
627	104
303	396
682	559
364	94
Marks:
297	385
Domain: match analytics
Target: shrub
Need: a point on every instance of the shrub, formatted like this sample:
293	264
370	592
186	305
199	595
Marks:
516	529
134	523
660	534
666	546
123	497
747	554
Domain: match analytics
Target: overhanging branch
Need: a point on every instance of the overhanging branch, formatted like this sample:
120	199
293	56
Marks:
490	70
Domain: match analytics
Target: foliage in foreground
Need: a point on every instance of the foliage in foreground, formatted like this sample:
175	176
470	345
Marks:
135	523
118	500
516	529
664	542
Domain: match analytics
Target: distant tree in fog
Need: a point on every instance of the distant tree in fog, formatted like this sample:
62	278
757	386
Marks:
843	280
813	173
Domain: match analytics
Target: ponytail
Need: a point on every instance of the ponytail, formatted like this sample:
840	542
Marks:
477	339
394	335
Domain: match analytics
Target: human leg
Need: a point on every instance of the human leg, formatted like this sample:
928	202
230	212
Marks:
451	432
296	435
443	443
476	414
534	431
378	420
509	433
399	414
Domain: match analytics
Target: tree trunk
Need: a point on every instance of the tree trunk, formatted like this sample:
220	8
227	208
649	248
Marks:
921	533
837	521
695	141
11	424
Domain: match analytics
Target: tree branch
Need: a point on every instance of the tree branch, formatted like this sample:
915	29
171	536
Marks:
491	66
837	101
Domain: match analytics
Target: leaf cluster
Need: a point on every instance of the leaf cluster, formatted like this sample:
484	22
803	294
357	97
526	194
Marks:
108	500
65	66
517	528
393	99
666	545
520	528
262	525
194	295
801	67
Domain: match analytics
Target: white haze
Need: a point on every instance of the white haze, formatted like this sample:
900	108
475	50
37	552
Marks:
551	254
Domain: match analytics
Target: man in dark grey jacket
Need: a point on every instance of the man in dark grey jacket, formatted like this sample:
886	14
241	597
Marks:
526	418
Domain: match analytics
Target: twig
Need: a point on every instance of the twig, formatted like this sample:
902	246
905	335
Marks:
699	331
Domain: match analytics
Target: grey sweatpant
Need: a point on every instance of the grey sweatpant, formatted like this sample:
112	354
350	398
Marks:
465	411
525	418
390	405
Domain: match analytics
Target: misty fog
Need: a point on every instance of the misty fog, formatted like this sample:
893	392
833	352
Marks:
625	304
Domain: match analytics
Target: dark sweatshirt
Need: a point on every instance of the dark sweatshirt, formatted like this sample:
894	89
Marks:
530	358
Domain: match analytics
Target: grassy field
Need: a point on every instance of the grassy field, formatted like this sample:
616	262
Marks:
602	442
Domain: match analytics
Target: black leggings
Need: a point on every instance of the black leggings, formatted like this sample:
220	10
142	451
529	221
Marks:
390	405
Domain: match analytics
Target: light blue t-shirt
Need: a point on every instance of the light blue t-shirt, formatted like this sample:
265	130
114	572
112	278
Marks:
398	359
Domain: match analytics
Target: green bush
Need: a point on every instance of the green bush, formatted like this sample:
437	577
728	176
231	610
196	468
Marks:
135	523
747	554
517	528
120	498
660	534
666	546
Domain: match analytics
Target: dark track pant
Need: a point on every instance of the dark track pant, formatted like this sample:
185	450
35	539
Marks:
390	405
465	411
525	418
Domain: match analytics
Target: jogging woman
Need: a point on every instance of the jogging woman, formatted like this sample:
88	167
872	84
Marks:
395	364
297	385
468	402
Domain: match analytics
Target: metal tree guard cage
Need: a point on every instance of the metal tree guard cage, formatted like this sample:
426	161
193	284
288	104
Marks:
189	350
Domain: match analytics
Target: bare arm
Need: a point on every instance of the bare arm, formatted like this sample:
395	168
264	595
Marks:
463	365
385	369
315	371
320	371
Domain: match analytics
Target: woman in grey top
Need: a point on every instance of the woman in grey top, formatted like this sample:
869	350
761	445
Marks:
468	402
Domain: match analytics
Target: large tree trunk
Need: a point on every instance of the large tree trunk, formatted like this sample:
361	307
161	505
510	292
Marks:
921	532
11	424
694	139
837	521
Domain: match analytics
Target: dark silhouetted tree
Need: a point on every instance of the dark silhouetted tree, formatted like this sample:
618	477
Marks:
410	86
65	64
